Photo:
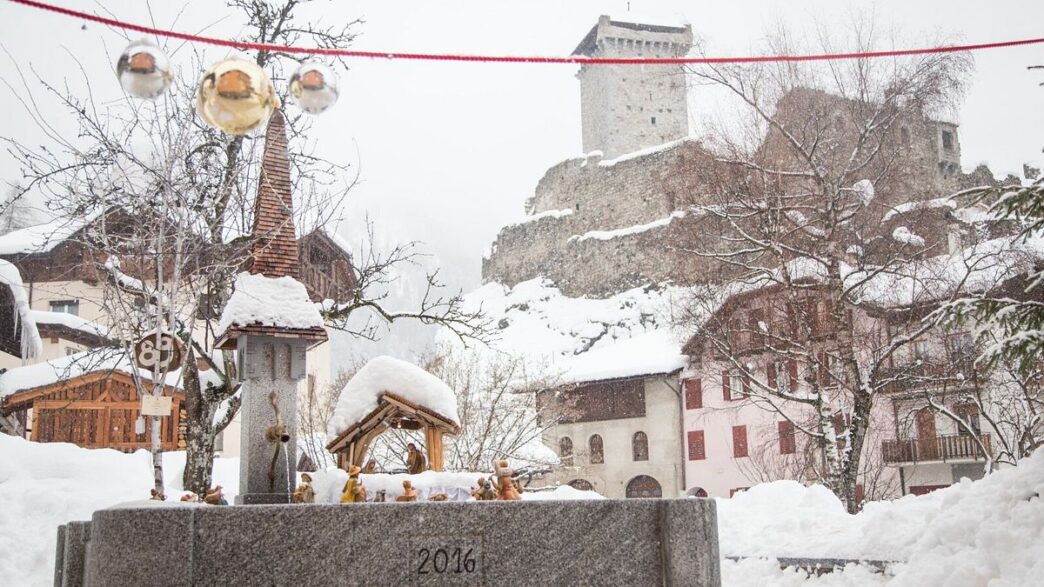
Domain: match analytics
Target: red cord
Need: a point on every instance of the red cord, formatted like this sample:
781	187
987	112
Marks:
516	59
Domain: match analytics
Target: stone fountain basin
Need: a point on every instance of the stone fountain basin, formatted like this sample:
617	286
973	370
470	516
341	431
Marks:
604	542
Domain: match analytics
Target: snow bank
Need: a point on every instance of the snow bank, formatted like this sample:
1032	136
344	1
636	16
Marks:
44	485
330	483
359	396
971	533
604	235
267	301
30	339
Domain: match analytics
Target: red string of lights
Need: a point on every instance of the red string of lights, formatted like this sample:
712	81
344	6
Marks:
334	52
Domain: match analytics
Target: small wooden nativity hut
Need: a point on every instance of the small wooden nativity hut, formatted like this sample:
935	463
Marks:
391	394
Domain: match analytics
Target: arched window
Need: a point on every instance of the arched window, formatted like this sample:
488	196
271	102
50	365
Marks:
565	450
581	484
640	446
644	486
696	492
594	445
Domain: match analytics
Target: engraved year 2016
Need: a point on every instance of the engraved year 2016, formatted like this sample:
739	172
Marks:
441	560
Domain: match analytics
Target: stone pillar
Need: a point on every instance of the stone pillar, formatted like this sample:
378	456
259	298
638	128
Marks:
267	365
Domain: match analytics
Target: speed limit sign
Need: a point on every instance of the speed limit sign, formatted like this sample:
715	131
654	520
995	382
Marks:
152	354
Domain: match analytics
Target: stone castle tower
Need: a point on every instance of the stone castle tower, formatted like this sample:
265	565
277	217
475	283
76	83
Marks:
624	107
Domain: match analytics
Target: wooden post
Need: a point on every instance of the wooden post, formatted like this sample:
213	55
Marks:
433	442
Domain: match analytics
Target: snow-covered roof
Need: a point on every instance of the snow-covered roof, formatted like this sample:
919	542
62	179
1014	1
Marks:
361	394
71	366
68	320
43	237
651	353
12	278
280	302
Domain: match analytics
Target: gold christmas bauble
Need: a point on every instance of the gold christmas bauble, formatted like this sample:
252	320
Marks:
314	87
143	70
235	95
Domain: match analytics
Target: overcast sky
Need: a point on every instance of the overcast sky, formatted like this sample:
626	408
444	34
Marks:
448	152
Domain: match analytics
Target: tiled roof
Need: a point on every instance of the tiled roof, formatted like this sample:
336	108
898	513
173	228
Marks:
275	241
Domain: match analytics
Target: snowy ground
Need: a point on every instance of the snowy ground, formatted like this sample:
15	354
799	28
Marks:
986	532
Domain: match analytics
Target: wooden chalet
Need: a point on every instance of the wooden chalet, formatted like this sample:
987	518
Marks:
393	411
97	409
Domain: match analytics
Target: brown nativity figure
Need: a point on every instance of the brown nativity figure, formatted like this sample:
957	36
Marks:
506	488
371	467
304	493
215	497
415	461
408	492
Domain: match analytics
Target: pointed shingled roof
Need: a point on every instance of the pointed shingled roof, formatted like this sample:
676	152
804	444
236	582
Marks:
274	251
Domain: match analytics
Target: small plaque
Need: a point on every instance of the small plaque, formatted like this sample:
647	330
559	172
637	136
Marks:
446	560
155	405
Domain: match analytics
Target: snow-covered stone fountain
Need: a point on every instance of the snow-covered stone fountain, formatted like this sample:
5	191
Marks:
270	323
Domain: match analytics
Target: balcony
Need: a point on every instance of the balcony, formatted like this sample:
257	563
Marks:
925	375
939	449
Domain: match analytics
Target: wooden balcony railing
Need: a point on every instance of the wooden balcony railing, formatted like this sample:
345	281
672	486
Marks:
954	447
913	377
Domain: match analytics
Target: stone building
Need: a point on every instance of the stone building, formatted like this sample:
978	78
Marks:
626	108
619	217
619	426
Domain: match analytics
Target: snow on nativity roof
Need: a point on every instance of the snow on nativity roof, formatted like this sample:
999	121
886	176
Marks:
361	394
71	366
43	237
280	302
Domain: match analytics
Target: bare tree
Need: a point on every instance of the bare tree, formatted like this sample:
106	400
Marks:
188	191
800	186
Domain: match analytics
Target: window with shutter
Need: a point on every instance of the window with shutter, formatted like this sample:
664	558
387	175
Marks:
725	393
792	369
565	450
697	450
770	374
596	450
693	394
640	446
823	373
739	441
746	385
787	439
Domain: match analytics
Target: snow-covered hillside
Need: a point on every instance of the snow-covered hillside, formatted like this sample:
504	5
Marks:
580	338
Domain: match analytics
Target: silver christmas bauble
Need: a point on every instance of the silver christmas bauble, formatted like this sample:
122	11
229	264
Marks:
144	70
314	87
